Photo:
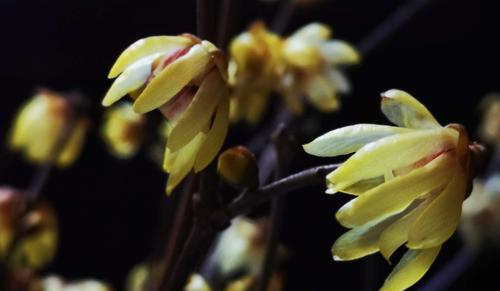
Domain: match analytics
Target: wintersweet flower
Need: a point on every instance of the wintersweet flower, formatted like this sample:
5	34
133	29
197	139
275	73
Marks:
254	70
123	130
186	79
56	283
197	283
40	124
408	184
312	60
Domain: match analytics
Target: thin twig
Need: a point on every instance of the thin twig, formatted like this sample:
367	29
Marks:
283	16
224	24
390	25
249	199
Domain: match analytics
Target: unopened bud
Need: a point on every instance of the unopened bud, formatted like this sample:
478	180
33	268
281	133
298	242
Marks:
238	167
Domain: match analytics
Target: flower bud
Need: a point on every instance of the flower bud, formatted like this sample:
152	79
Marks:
238	167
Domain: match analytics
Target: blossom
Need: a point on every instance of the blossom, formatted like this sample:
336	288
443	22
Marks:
122	130
254	70
55	283
312	62
186	79
197	283
409	183
490	125
40	124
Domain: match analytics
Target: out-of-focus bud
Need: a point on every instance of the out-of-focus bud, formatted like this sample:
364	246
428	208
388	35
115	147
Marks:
38	245
41	123
254	71
197	283
241	247
237	166
56	283
140	275
186	79
313	62
11	207
123	130
249	283
490	125
480	222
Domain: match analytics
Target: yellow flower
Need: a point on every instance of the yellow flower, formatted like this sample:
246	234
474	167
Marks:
490	125
39	125
123	130
253	71
409	183
312	60
186	79
197	283
55	283
39	246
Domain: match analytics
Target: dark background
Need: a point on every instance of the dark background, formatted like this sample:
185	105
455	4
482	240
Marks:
109	210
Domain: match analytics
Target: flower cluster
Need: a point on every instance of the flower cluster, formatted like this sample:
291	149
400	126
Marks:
409	183
302	65
40	125
186	79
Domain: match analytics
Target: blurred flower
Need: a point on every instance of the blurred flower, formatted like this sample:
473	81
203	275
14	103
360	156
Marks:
11	207
249	283
238	167
253	71
312	62
55	283
186	79
40	124
409	182
480	223
37	247
123	130
197	283
490	125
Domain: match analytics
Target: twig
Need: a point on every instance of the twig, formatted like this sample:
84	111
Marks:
249	199
226	9
283	16
390	25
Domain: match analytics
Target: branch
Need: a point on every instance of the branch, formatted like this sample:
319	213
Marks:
249	199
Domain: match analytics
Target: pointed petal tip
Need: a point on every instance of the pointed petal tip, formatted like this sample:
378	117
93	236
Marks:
337	258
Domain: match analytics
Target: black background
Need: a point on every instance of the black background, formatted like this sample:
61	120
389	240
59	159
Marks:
447	56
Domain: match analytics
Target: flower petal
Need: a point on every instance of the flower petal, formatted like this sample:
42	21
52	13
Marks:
381	157
198	113
437	222
178	164
338	52
173	78
146	47
404	110
131	79
349	139
395	195
313	32
322	93
360	241
397	233
215	137
412	266
74	145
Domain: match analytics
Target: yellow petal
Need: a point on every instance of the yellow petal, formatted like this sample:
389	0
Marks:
437	222
337	78
199	111
362	186
301	53
349	139
147	47
178	164
383	156
338	52
360	241
322	93
397	233
313	31
412	266
395	195
173	78
404	110
132	78
74	144
215	137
